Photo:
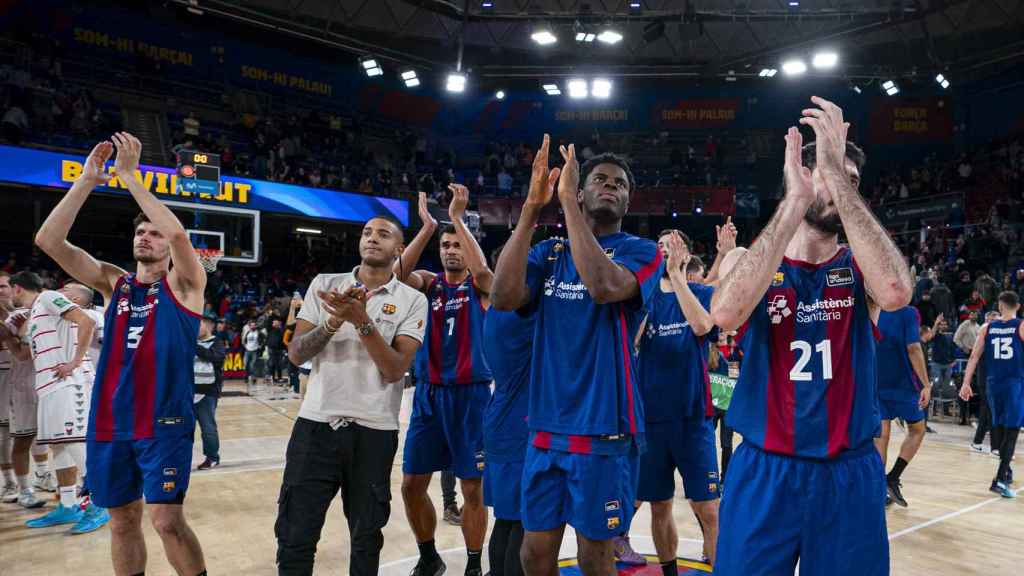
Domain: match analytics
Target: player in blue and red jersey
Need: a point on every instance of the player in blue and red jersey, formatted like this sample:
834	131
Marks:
904	389
1002	343
674	385
452	384
508	346
807	484
585	416
139	440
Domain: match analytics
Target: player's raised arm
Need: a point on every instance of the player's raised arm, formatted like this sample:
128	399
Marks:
693	311
886	276
411	255
475	259
742	284
509	290
972	363
725	241
606	280
186	266
52	236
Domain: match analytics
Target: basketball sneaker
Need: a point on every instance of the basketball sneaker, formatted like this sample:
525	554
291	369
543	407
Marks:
9	494
1002	489
980	448
895	493
46	482
93	519
430	568
28	500
207	464
453	515
624	552
60	515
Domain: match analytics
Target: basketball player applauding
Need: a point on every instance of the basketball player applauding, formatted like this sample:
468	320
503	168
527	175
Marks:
452	385
1002	343
807	483
141	420
585	418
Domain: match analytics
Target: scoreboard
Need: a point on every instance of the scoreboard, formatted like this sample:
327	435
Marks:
198	173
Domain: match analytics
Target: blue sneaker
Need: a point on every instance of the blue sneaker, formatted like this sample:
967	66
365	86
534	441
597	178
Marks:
93	519
59	515
1002	489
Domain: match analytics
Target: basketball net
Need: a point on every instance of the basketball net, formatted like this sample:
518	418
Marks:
209	257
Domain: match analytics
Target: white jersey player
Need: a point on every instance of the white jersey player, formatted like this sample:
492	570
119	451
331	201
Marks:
83	296
63	383
23	405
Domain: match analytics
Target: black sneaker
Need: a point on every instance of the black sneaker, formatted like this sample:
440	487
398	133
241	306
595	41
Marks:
895	493
207	464
473	572
453	515
434	567
888	500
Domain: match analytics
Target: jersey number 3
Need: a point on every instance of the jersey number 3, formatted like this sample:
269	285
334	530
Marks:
1003	348
134	335
804	352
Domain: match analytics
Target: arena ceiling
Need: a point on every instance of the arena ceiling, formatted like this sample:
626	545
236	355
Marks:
664	38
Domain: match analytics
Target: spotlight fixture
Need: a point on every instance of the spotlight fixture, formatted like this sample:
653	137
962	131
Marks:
577	88
794	4
315	231
890	88
794	67
856	88
601	88
552	89
371	67
610	36
768	72
585	36
544	36
456	82
825	60
486	4
635	5
942	81
410	78
500	94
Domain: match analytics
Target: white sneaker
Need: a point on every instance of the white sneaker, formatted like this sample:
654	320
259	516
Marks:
980	448
9	494
45	482
995	453
27	499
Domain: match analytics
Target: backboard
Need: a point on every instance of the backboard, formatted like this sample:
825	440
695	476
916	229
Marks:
236	231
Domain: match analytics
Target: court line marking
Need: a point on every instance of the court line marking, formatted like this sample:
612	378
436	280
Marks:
946	516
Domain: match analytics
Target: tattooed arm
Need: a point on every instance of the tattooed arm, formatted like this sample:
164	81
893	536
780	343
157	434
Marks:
886	276
744	283
307	342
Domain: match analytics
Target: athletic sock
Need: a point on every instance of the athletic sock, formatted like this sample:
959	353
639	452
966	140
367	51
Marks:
9	476
669	568
23	483
68	498
473	560
428	553
897	470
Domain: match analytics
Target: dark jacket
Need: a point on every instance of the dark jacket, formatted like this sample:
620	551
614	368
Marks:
213	354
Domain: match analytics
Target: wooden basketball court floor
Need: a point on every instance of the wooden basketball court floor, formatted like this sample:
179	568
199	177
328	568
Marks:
954	525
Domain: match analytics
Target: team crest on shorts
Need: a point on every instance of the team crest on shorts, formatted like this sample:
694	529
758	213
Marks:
389	308
170	471
613	522
712	486
611	506
168	486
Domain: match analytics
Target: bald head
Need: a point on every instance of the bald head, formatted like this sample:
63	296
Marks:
78	293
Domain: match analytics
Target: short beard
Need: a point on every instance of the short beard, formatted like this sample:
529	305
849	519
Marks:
817	219
146	259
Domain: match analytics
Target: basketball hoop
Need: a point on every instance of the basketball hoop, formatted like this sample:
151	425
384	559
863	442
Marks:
209	257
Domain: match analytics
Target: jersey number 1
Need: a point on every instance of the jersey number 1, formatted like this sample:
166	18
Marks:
803	348
1003	348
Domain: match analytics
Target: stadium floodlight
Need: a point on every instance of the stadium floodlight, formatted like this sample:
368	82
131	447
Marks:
856	89
890	88
309	231
794	4
634	5
767	72
544	36
942	81
410	78
601	88
825	60
500	94
577	88
456	82
585	36
610	36
371	67
487	4
552	89
794	67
